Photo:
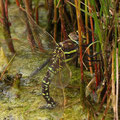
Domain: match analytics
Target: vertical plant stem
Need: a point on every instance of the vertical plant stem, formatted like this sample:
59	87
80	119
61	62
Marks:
93	40
117	83
116	68
55	20
98	28
30	35
106	110
87	36
46	4
29	12
6	8
113	85
50	14
37	12
17	3
6	28
36	15
37	7
33	29
66	18
108	92
71	14
28	6
82	85
63	29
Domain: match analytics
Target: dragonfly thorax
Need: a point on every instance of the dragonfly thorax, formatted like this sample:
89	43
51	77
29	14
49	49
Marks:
74	37
70	49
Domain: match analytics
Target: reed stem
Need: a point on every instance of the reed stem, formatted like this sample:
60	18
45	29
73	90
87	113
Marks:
6	27
82	85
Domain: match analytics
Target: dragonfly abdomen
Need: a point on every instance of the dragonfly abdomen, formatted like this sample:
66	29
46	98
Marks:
55	66
45	90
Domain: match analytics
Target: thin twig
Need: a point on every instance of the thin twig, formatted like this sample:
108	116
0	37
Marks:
7	67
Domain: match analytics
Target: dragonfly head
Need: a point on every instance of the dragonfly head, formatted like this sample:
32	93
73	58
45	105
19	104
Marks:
75	37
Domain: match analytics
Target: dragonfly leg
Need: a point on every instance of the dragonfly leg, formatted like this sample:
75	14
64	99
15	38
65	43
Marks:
45	92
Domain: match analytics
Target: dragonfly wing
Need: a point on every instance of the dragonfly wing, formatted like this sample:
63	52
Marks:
19	20
22	23
62	78
60	71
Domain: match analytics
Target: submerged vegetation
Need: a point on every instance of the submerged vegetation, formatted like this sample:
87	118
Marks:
78	41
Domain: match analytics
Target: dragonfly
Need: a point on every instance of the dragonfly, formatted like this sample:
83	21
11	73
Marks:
59	55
